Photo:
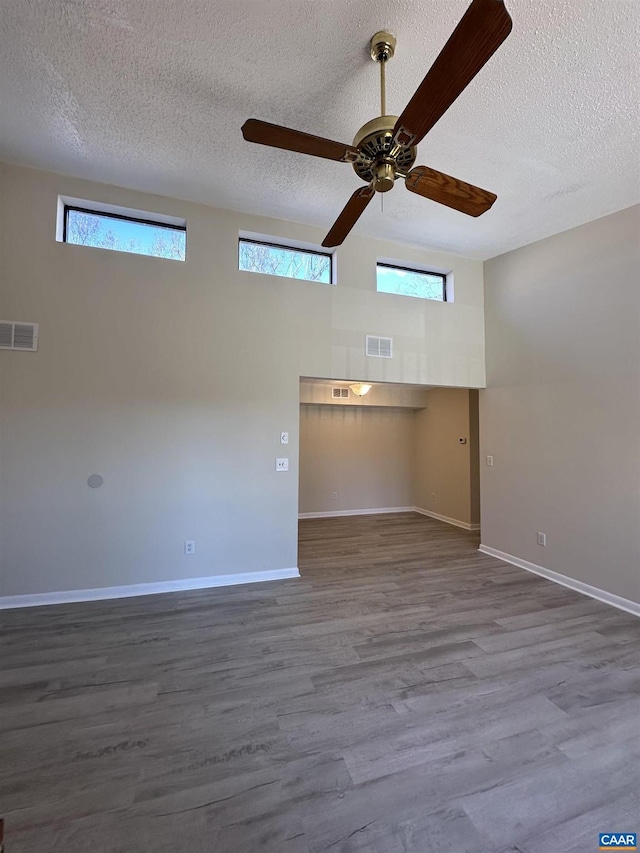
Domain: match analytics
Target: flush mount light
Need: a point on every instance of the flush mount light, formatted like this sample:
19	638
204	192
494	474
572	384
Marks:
360	389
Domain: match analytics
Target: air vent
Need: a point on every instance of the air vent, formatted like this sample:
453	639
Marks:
20	336
379	347
339	393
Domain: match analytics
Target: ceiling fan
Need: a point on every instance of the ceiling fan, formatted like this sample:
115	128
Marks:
385	148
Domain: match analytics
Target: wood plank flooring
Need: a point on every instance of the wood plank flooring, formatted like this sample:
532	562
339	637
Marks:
406	694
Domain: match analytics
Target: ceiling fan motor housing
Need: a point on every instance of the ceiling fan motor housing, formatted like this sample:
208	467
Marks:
374	139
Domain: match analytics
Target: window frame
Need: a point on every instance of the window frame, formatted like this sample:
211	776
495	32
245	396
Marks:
122	217
441	275
303	251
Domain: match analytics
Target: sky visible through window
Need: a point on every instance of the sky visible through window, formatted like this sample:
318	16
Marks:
279	260
410	283
123	235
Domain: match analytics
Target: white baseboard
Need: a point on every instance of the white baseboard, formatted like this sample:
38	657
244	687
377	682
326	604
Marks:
464	524
337	513
388	509
585	588
39	599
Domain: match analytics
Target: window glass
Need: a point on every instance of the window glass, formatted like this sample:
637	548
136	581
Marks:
408	282
124	234
271	259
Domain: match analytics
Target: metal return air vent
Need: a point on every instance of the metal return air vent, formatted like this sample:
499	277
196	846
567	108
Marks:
377	347
340	393
18	336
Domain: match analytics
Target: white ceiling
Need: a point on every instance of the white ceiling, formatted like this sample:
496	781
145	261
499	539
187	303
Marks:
151	94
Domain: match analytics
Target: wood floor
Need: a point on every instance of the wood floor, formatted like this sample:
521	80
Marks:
406	694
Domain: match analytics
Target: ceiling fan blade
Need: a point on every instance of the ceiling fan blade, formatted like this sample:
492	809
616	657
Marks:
450	191
481	31
351	212
277	136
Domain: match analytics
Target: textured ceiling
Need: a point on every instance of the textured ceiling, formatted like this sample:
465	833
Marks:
151	94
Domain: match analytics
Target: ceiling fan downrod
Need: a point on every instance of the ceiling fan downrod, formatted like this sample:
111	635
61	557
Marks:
383	170
382	47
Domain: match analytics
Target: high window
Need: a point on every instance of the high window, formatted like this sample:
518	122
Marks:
273	259
405	281
121	233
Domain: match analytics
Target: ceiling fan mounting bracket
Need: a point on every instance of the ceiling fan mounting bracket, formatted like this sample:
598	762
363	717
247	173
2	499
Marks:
382	47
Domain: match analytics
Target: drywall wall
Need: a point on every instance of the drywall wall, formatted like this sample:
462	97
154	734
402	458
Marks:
442	469
173	381
474	457
363	454
561	412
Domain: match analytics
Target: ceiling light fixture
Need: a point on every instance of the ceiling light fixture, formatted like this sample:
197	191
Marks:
360	388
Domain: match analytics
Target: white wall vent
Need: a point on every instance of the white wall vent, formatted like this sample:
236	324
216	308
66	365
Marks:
339	393
20	336
378	347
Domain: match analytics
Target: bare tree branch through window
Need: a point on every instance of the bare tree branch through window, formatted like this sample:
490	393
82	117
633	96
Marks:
283	261
125	235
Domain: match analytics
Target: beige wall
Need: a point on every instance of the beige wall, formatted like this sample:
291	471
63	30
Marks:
561	413
363	454
442	470
173	380
474	457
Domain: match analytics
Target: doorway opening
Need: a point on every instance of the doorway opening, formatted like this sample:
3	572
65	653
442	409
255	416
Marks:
397	448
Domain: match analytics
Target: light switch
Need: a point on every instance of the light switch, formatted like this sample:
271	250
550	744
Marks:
282	464
490	461
284	438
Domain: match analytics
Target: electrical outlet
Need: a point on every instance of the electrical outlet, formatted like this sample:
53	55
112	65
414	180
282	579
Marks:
189	546
334	496
490	461
542	538
433	496
282	464
284	438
